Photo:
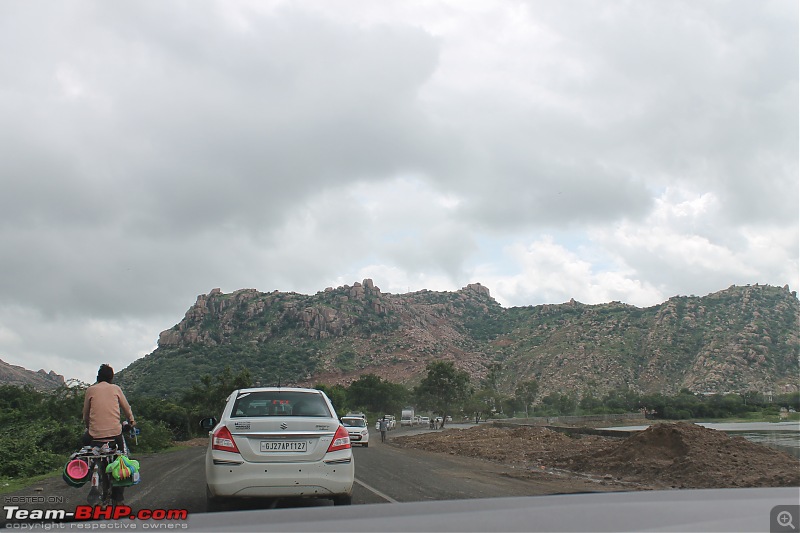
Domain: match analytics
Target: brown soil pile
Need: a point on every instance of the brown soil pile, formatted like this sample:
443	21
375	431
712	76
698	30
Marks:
670	455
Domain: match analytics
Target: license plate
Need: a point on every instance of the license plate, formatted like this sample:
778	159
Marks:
283	446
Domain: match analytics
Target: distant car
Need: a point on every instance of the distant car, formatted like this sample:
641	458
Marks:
391	423
278	442
424	420
357	428
448	418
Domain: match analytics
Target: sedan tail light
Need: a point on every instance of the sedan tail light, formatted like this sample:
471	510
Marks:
223	440
341	440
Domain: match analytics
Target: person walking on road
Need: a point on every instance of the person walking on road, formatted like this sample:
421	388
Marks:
384	425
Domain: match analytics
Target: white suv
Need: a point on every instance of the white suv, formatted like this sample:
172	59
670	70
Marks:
278	442
357	428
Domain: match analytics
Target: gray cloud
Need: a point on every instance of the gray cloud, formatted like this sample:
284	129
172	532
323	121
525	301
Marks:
153	151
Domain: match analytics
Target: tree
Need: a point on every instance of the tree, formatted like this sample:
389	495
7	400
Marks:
337	395
396	396
375	394
443	388
66	401
526	393
366	393
496	400
622	400
493	377
560	404
208	397
175	417
481	402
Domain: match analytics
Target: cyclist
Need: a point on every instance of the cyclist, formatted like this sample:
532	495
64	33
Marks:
101	415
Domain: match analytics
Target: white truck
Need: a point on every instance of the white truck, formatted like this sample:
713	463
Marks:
407	417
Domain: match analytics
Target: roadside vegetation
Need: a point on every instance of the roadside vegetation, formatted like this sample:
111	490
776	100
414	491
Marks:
39	430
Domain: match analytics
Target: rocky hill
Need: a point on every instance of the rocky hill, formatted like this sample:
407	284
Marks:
41	380
738	339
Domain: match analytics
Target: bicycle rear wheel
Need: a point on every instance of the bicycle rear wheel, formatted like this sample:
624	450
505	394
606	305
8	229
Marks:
95	492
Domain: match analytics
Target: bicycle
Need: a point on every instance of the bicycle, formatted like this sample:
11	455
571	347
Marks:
104	490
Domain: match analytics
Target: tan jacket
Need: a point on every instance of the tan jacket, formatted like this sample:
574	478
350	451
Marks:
101	410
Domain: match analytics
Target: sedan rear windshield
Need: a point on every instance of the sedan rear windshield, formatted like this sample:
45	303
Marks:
279	403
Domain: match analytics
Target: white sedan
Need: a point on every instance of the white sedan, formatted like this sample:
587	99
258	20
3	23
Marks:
278	442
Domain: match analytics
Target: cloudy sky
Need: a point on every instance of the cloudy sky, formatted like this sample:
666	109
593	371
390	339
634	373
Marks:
598	150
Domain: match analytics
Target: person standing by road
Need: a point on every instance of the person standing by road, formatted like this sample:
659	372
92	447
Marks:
383	426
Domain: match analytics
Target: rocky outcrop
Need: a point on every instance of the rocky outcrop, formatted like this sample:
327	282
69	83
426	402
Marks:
39	380
735	340
478	288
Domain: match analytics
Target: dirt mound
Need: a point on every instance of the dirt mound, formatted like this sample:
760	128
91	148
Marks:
668	441
508	445
685	455
678	455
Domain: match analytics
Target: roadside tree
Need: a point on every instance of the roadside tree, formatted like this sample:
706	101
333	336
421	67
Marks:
373	394
337	395
526	393
208	397
444	388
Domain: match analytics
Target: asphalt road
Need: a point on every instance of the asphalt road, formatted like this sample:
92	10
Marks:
384	474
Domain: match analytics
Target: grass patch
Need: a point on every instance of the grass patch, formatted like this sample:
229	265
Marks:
12	485
8	485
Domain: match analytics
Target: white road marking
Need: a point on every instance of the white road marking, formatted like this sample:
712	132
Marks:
376	491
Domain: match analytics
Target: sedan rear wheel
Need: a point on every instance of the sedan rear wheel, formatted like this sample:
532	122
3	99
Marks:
213	504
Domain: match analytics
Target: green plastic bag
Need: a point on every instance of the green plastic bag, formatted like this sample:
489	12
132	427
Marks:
124	471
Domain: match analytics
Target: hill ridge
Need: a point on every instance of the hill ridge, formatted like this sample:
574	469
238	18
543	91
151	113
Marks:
39	380
739	338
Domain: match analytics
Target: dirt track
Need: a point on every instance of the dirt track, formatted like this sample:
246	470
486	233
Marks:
669	455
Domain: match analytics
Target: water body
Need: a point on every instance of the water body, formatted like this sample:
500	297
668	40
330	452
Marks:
784	436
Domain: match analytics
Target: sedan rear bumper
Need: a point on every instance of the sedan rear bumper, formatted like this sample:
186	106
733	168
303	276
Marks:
319	479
